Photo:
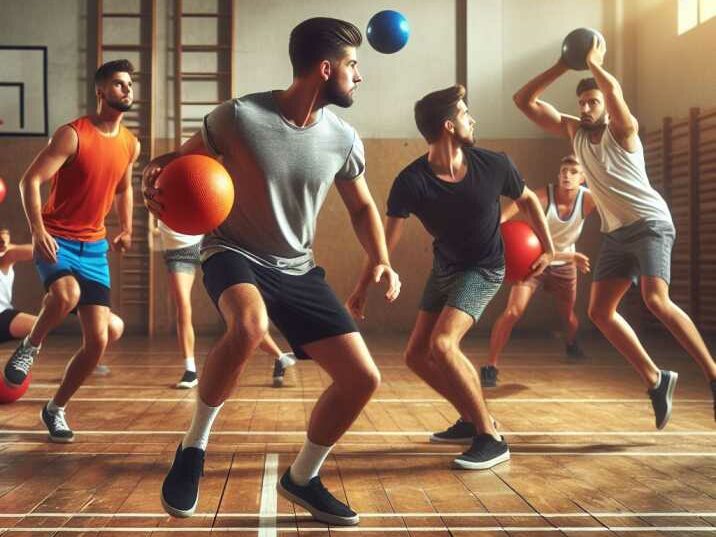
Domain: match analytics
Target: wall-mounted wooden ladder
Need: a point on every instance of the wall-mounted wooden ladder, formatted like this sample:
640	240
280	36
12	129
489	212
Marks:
132	34
203	72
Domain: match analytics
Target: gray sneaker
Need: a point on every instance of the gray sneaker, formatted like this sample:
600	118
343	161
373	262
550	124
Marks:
661	397
57	426
19	364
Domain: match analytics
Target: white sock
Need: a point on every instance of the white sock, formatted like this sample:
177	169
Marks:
198	434
287	359
308	462
190	364
53	408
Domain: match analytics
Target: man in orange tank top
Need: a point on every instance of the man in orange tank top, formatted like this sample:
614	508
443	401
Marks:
89	163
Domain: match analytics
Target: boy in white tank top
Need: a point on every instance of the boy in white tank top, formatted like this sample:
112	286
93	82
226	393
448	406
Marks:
636	221
566	204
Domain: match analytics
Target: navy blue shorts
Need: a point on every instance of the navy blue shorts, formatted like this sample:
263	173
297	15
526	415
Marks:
303	308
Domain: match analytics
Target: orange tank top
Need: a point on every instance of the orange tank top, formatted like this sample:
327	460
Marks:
82	191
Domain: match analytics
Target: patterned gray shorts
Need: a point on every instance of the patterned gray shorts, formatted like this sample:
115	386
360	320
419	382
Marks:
183	259
469	290
642	248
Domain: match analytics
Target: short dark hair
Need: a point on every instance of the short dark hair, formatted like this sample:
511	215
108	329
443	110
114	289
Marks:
435	108
570	159
586	84
106	70
318	39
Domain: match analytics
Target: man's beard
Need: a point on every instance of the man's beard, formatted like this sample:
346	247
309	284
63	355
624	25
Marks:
119	106
594	125
333	95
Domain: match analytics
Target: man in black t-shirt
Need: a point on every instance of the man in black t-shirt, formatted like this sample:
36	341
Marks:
454	190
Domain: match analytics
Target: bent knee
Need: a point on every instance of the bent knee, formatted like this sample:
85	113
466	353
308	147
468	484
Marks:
67	295
367	382
513	314
251	328
115	328
442	346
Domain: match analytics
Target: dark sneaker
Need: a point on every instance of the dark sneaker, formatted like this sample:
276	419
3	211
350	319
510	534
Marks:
279	368
316	499
278	372
661	397
573	350
180	490
19	364
57	425
488	376
713	392
460	432
188	380
485	452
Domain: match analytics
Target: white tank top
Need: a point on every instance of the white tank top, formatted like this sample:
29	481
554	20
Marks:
6	281
564	232
618	182
171	240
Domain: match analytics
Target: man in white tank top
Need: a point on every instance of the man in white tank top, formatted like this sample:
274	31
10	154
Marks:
566	204
636	221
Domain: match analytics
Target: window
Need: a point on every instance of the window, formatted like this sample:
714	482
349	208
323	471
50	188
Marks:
707	9
691	13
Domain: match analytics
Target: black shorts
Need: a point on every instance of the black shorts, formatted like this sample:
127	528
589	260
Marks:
304	308
6	318
92	293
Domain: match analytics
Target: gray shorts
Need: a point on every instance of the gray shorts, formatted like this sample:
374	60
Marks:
469	290
183	259
642	248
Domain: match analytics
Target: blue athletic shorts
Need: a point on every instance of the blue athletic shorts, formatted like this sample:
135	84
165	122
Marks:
87	263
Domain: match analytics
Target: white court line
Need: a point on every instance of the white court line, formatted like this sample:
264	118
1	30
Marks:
430	514
380	450
381	529
190	399
269	501
381	433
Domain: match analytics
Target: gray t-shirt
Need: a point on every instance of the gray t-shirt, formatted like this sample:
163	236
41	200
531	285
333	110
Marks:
281	174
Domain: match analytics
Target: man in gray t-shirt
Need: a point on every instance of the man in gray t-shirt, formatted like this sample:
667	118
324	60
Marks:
284	170
284	150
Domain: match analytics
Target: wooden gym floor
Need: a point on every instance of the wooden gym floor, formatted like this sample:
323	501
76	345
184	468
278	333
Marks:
586	458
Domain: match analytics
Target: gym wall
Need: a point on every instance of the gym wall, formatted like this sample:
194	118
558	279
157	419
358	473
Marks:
504	47
673	72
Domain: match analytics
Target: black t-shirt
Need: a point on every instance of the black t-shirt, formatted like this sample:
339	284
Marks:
464	217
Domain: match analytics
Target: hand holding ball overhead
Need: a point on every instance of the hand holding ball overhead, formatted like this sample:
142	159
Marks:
193	194
388	31
578	44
